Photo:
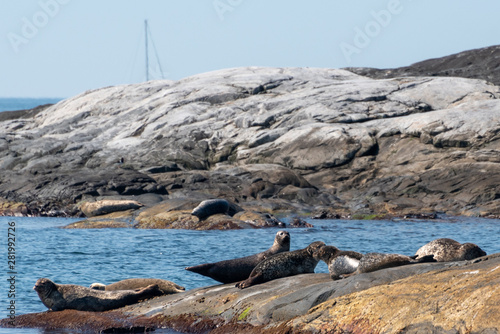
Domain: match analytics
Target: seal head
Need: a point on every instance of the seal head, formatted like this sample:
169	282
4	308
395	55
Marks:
339	262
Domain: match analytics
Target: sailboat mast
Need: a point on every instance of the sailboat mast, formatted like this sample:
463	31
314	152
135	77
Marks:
147	56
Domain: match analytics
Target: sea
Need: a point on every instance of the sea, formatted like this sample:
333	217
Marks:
40	247
16	103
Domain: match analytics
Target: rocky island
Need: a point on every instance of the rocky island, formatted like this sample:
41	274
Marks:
328	141
423	139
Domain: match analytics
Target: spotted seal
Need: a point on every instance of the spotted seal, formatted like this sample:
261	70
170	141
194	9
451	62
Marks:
301	261
376	261
230	271
339	262
166	287
445	250
58	297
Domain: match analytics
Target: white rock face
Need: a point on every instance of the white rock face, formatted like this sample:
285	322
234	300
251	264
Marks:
291	116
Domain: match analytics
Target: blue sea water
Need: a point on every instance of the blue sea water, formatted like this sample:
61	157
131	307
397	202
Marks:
67	256
14	103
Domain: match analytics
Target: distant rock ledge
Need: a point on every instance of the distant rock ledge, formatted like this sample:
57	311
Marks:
298	140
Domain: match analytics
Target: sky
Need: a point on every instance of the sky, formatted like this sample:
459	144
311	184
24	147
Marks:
61	48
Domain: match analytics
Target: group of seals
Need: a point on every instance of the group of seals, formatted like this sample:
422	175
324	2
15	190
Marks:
166	287
342	264
276	262
58	297
230	271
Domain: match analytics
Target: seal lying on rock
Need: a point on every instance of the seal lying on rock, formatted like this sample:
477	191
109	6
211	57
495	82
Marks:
377	261
58	297
230	271
302	261
166	287
339	262
445	249
343	264
210	207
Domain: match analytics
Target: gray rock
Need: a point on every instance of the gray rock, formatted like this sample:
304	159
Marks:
478	64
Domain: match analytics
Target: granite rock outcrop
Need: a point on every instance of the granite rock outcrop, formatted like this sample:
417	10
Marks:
296	139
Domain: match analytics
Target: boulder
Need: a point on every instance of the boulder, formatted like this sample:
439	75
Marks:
98	208
259	219
8	208
177	214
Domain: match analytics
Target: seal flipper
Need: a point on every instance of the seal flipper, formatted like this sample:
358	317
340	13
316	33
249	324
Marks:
252	280
426	258
149	291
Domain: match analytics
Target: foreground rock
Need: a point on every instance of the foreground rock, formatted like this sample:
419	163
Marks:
301	139
452	297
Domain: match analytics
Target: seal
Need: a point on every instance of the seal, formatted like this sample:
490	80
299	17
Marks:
339	262
301	261
58	297
230	271
210	207
376	261
445	250
166	287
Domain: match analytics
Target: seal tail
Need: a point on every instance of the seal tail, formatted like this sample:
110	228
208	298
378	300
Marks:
201	269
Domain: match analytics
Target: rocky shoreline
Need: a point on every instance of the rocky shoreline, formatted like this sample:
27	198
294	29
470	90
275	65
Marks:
297	140
449	297
322	143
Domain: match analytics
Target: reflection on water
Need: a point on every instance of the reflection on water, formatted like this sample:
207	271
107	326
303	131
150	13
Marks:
108	255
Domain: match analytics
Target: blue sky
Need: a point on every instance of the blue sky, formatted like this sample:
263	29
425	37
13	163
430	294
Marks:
60	48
